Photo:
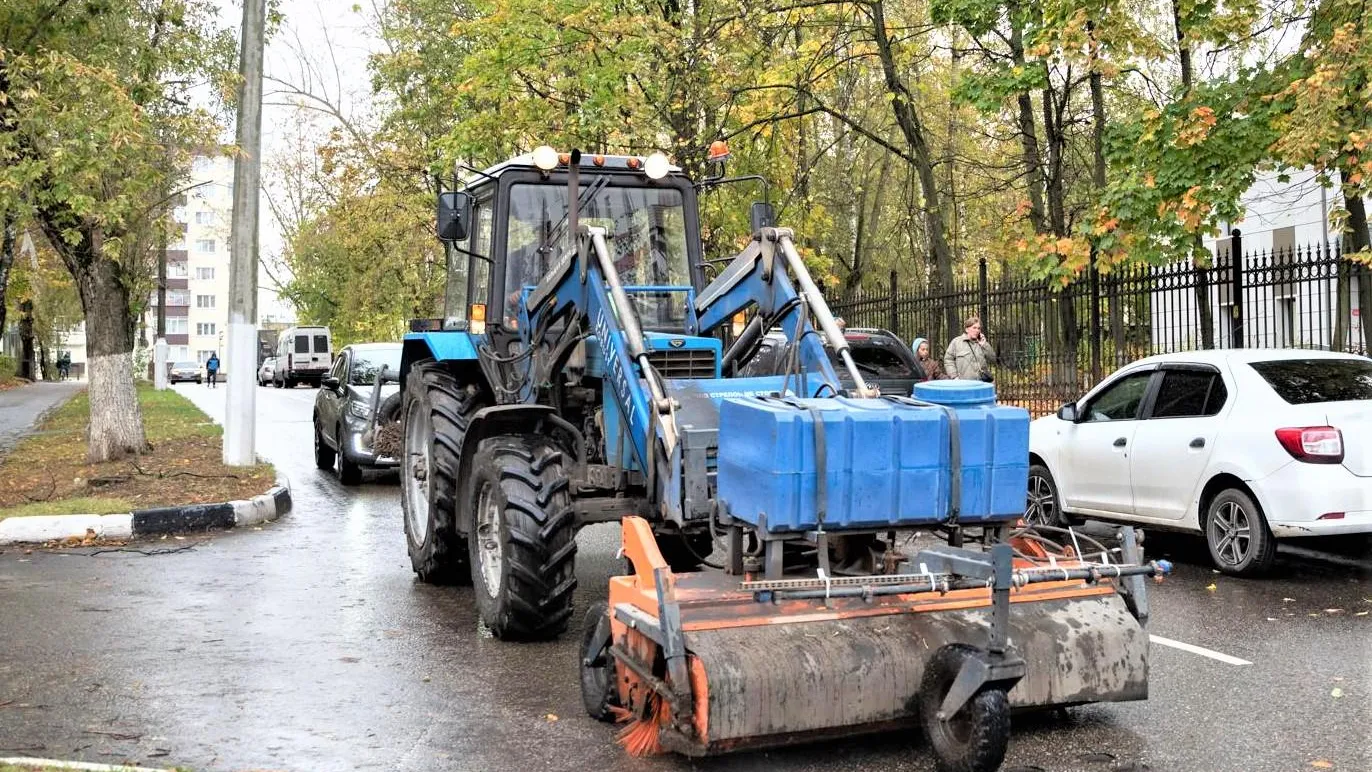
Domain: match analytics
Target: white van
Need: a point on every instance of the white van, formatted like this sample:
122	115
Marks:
303	354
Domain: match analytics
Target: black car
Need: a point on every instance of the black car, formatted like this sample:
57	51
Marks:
884	360
349	410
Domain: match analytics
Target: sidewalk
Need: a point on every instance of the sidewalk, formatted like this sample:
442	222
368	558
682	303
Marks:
20	408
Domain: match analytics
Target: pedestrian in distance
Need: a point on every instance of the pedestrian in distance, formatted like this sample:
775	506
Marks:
212	369
929	367
969	355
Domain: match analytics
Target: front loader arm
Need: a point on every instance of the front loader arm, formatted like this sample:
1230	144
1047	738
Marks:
758	275
584	284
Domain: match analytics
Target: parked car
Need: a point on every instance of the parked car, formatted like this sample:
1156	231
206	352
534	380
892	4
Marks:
267	372
185	371
351	407
303	355
884	360
1245	447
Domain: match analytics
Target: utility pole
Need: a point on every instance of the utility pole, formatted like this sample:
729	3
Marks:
240	414
159	350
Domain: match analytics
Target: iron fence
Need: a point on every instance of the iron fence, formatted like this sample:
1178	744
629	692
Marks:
1052	344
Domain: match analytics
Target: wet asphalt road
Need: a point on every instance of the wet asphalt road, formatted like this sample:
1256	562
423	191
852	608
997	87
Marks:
20	407
307	645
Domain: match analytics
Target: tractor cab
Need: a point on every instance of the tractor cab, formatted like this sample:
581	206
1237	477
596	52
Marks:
507	230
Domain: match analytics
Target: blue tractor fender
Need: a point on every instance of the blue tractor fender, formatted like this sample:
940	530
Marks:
454	346
503	420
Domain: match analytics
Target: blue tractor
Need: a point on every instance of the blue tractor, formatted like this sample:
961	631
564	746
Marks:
577	374
587	372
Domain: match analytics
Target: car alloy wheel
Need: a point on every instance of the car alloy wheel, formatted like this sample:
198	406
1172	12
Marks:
1231	531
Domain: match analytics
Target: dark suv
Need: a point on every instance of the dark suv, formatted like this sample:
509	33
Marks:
884	360
355	400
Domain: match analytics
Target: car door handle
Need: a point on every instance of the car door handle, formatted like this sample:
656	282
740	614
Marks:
1199	442
1119	442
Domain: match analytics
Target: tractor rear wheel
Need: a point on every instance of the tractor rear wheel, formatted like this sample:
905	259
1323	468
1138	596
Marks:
975	738
436	413
599	685
523	537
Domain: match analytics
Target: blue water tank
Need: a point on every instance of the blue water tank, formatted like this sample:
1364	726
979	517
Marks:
995	448
887	463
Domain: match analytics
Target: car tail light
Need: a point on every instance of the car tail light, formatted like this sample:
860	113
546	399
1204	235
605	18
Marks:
1313	444
1331	516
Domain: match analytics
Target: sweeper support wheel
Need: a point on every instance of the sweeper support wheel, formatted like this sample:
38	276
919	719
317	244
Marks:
975	738
599	686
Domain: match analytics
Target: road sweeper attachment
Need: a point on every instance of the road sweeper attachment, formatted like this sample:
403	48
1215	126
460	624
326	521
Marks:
838	611
953	639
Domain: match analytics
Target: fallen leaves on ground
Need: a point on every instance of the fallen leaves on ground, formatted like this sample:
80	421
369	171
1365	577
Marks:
184	465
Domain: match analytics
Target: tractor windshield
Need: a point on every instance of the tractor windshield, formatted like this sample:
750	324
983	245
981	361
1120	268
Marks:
645	230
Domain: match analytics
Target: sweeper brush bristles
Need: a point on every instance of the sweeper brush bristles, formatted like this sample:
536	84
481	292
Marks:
640	736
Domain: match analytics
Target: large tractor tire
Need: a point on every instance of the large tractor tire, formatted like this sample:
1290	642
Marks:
523	538
436	413
976	737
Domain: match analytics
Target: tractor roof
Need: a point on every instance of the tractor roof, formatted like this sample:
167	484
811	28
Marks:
592	162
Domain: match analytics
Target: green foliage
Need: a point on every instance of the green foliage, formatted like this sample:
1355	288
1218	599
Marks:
1181	171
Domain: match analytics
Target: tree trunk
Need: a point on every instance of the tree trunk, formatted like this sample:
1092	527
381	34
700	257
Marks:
44	362
27	368
1357	239
1028	135
912	128
6	263
1115	313
116	423
1201	273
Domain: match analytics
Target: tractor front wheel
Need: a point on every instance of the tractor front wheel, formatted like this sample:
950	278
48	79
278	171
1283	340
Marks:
523	537
436	413
975	738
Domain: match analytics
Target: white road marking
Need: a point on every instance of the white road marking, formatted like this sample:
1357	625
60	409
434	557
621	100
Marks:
1201	650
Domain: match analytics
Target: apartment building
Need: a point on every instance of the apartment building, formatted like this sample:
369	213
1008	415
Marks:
198	266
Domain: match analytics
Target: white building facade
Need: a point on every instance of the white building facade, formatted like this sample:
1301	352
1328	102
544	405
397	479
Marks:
1289	293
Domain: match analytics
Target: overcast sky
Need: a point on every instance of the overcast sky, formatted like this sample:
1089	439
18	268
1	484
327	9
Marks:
321	47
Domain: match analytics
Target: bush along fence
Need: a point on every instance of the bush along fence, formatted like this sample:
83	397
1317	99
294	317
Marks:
1052	344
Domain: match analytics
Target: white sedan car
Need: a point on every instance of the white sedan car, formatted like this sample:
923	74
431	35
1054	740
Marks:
1243	446
267	372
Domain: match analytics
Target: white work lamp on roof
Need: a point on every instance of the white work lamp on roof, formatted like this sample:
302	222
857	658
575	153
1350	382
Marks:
545	158
657	166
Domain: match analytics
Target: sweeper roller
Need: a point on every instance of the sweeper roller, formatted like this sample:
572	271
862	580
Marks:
703	663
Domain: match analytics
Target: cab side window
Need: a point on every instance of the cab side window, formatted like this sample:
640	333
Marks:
480	272
1120	401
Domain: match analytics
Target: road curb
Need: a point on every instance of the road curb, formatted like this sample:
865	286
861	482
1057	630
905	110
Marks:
150	522
83	766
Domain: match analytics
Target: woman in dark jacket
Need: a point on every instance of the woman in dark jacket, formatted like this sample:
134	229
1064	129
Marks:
930	369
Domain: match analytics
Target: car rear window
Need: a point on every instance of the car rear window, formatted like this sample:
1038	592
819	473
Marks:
876	357
302	344
321	344
1308	381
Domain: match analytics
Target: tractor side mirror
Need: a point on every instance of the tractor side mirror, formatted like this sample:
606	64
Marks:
454	215
762	216
1068	412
